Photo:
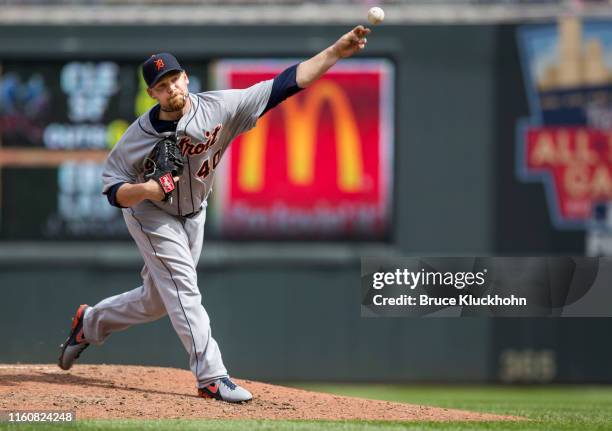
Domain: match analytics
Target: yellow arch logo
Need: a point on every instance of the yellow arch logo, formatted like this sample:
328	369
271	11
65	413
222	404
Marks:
301	121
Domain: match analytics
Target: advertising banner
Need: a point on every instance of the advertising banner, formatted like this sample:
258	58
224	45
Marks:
58	121
319	165
566	143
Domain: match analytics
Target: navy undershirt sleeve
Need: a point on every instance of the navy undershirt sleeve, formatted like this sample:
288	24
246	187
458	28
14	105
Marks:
111	195
284	85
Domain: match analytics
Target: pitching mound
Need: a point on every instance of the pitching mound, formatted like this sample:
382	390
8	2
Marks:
120	392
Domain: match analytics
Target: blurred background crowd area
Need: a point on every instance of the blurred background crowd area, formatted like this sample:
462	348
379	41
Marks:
449	3
466	128
398	10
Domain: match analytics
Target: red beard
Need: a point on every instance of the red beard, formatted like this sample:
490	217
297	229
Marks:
176	103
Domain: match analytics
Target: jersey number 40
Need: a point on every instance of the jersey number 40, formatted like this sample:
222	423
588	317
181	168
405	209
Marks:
206	169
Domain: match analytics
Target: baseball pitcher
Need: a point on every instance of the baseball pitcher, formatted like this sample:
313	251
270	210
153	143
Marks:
160	173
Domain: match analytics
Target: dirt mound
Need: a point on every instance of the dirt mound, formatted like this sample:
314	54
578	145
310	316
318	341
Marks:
118	391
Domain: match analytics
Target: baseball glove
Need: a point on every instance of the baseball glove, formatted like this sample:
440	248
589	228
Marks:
164	163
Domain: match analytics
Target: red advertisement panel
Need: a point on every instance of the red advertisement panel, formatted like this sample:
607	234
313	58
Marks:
578	163
319	165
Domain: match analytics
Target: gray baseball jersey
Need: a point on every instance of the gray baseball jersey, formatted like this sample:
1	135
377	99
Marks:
215	119
169	235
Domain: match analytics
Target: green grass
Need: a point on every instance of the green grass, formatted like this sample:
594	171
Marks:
546	408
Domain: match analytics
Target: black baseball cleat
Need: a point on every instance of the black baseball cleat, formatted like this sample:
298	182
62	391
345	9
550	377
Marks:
75	343
225	390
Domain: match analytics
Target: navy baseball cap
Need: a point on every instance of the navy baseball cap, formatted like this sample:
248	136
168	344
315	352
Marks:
157	66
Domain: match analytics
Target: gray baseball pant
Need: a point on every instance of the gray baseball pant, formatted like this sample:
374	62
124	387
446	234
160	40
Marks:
171	247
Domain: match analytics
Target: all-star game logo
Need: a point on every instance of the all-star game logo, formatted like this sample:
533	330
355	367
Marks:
567	141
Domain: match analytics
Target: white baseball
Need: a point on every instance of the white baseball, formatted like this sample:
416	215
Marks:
376	15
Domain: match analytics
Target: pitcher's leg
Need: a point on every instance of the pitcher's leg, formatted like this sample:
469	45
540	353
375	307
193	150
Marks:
119	312
194	229
165	247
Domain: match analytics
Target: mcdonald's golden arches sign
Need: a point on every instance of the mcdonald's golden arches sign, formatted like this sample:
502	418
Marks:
317	166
